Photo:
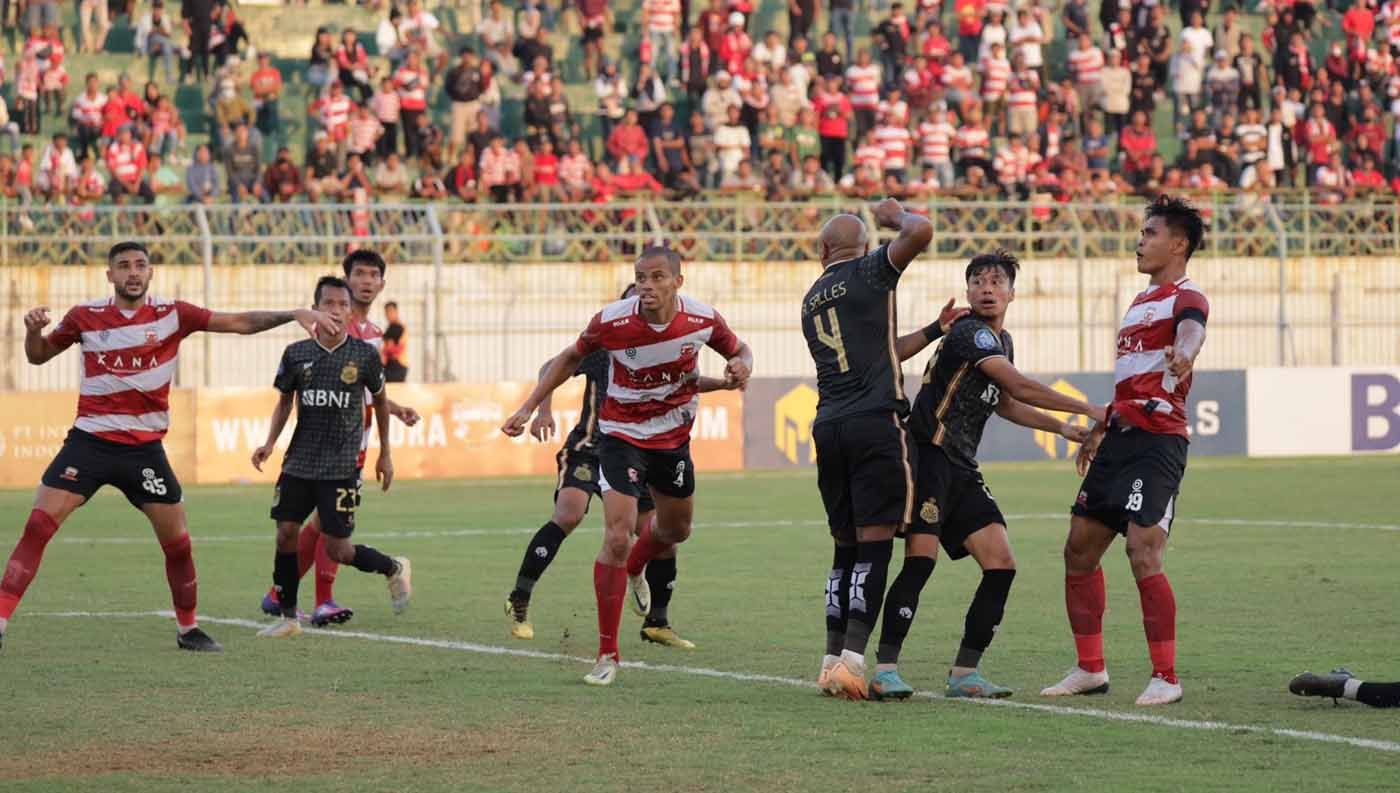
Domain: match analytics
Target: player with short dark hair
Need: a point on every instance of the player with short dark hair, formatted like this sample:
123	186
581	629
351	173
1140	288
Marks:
1133	463
865	470
1342	684
653	341
578	482
328	376
130	346
364	273
969	377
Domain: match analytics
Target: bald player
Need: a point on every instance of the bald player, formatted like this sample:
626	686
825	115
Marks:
864	469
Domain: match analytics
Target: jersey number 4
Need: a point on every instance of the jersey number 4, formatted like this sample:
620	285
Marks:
829	333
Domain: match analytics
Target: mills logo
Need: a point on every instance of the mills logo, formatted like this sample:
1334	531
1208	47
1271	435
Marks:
1049	442
792	424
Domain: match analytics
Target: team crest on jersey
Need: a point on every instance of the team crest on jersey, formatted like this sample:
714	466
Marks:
631	352
928	513
1148	315
104	334
349	374
583	473
151	336
687	350
985	340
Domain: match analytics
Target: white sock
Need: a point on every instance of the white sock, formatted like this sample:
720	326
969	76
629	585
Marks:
829	661
5	623
856	661
1350	688
184	629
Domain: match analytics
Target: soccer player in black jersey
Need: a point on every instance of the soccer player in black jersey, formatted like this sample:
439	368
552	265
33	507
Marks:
864	468
969	377
579	481
327	377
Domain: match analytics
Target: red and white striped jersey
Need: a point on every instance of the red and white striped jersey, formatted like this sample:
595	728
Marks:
972	141
1024	90
372	335
653	395
662	15
996	72
863	86
870	155
1087	66
128	363
334	115
956	77
895	140
412	85
935	141
1144	394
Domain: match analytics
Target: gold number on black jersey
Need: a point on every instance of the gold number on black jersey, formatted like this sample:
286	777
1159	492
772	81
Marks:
347	499
831	337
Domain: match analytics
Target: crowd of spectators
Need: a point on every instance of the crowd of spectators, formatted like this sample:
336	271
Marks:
956	97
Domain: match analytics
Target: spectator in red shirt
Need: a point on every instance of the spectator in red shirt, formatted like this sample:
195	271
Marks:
282	179
461	180
352	63
1367	178
834	113
1137	144
628	140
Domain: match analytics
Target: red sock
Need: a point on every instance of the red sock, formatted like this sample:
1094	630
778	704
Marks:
326	568
308	542
644	550
610	585
1159	622
179	573
1085	600
24	562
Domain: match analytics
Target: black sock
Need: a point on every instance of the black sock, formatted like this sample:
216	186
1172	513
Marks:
984	615
538	554
286	575
838	597
901	605
370	560
1379	695
868	577
661	577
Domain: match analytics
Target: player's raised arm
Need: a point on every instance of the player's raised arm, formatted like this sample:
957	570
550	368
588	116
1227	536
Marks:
560	369
249	322
915	232
39	348
912	344
1018	412
1024	389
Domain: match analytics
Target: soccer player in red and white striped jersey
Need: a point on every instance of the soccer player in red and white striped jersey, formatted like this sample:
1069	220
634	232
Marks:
653	341
130	344
364	271
1134	462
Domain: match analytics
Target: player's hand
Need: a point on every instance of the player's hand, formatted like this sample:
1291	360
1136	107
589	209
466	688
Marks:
542	428
1178	365
888	213
36	319
260	456
950	314
406	414
515	425
1087	450
310	319
736	374
1098	414
1075	433
384	471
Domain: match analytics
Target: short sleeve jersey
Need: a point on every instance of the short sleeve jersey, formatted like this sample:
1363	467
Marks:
330	387
956	397
848	318
594	369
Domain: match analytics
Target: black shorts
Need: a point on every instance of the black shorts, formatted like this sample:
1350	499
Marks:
1135	478
951	502
593	34
630	470
333	500
865	471
86	463
579	470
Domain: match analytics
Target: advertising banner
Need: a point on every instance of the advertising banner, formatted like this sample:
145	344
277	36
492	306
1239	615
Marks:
1341	410
778	417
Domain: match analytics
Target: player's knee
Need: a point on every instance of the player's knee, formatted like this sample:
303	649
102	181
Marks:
1145	559
673	533
1078	559
287	534
340	550
567	520
615	546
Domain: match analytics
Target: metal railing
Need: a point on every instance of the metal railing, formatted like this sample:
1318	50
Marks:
489	291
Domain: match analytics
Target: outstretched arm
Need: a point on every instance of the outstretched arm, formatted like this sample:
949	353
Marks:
249	322
1024	389
560	369
1018	412
915	232
908	346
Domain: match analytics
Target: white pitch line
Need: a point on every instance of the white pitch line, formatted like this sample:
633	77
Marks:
752	677
420	534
